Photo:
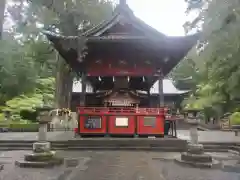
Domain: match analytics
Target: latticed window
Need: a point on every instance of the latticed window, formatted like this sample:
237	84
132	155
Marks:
150	121
93	122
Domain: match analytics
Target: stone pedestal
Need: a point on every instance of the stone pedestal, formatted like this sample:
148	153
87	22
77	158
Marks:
42	132
1	167
195	156
39	147
42	156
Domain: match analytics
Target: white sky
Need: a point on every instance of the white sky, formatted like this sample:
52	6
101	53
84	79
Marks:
167	16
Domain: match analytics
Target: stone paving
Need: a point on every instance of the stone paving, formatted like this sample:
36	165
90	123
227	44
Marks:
211	136
112	165
30	135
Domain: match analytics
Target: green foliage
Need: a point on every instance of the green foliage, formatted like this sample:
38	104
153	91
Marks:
235	118
215	76
23	126
17	74
29	127
2	117
27	60
24	102
25	105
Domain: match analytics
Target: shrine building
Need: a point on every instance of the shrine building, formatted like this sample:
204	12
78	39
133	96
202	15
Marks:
122	63
172	96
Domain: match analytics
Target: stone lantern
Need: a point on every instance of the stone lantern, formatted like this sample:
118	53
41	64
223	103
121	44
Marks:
195	155
42	156
43	118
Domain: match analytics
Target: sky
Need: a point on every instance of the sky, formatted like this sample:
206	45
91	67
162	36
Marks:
167	16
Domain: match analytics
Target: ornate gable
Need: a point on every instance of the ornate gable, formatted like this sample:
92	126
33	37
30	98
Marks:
121	99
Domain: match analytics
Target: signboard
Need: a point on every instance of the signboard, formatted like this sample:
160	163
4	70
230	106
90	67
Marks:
121	122
150	121
93	122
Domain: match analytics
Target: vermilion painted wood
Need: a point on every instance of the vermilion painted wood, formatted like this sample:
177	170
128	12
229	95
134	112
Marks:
108	67
119	111
113	129
135	120
158	129
83	130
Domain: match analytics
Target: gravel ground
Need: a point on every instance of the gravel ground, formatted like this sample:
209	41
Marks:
112	165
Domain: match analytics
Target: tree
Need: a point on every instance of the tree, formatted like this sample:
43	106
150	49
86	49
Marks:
17	72
2	12
69	18
217	62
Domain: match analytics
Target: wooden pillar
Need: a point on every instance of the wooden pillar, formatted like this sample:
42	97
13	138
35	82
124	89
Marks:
149	98
83	93
160	90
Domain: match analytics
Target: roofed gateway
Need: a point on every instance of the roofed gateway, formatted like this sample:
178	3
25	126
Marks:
122	60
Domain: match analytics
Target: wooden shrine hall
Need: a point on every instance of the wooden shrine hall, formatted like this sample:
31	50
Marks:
121	58
172	96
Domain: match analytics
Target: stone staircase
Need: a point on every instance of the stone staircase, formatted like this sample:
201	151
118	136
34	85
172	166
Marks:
141	144
161	144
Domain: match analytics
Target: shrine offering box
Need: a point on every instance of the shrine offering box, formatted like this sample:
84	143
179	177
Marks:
150	125
92	125
121	125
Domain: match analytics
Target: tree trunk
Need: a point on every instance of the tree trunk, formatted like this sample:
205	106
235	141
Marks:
57	82
2	10
64	82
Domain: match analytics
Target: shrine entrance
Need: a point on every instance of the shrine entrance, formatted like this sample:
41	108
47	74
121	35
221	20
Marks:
123	59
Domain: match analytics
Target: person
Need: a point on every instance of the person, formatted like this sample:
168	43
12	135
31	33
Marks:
75	132
167	123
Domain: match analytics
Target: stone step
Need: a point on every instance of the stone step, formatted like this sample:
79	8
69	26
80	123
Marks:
214	164
119	144
170	149
209	146
235	148
38	164
110	142
163	149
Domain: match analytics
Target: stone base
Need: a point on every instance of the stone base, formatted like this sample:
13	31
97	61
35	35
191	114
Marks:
214	164
195	157
41	157
44	164
195	148
40	147
200	158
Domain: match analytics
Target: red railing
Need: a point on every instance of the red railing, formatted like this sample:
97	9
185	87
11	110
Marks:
115	110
